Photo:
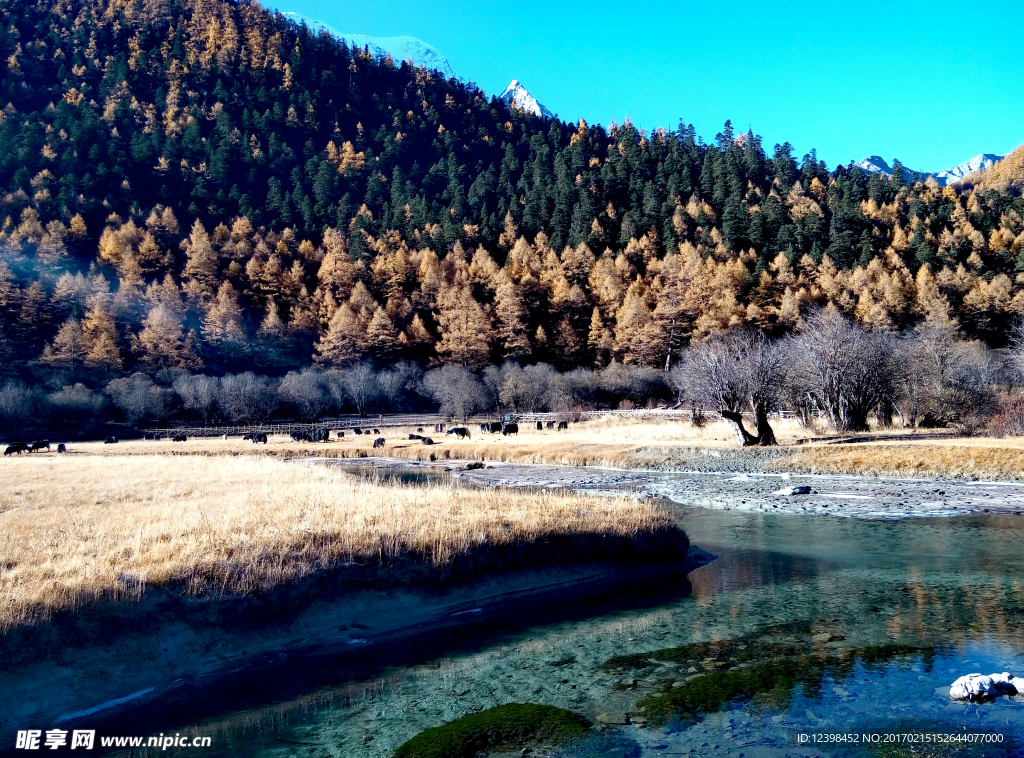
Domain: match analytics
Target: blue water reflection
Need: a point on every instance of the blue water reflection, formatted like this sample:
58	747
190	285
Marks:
952	585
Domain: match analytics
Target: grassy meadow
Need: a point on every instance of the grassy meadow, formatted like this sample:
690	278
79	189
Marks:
620	442
82	527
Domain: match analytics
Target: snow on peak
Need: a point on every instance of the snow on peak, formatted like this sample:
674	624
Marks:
402	48
874	164
515	94
959	172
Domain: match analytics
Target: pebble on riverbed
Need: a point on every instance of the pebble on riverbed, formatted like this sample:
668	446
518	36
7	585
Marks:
802	490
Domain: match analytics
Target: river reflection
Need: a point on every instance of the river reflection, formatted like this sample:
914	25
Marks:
953	586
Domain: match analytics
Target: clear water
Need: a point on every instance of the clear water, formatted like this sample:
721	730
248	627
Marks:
954	584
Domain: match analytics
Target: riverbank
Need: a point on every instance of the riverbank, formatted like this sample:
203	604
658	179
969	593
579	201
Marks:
153	674
80	530
646	444
125	576
870	497
809	494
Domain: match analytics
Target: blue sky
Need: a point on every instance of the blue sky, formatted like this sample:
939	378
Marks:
931	83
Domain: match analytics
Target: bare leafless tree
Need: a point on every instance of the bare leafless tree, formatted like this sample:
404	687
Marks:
394	382
76	403
356	385
306	391
847	371
198	393
640	385
457	390
247	398
16	403
138	397
526	389
733	373
1015	348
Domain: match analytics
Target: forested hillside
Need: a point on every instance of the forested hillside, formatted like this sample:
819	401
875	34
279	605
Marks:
200	184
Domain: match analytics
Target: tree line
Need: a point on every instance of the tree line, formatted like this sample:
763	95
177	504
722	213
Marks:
833	374
179	397
203	186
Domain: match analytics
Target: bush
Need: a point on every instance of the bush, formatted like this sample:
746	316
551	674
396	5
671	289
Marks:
1009	417
637	384
137	397
76	403
16	402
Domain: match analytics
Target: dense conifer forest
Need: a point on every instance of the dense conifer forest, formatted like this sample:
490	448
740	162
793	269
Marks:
203	186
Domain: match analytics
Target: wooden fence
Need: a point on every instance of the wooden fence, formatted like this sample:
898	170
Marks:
428	421
352	422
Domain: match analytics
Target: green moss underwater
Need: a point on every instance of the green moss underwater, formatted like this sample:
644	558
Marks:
511	725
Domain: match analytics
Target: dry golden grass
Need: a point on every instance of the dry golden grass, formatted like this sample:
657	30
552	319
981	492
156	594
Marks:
634	443
609	441
77	528
983	458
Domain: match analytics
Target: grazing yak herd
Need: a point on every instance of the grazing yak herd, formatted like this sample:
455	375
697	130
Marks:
31	447
323	434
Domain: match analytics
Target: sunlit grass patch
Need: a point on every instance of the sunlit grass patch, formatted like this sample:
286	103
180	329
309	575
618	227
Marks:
75	529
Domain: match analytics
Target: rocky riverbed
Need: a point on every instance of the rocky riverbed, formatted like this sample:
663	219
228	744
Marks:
743	488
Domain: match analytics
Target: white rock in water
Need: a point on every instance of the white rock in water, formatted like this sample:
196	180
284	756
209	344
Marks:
979	686
793	491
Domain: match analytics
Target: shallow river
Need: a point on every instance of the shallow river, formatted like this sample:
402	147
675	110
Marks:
949	590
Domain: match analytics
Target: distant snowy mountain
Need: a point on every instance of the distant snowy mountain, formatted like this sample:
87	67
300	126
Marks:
419	52
874	164
401	48
515	94
957	173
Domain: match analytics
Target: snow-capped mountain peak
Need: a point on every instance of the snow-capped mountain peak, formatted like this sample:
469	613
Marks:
405	48
402	48
516	94
874	164
959	172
